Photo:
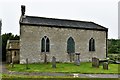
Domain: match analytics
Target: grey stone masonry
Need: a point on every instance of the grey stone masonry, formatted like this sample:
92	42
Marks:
58	31
31	36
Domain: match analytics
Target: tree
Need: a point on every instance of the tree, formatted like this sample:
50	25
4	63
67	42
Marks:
114	46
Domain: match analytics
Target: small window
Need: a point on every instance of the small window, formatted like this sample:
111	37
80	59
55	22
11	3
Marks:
45	44
91	44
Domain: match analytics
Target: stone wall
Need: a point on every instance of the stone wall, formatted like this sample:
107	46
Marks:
12	56
30	43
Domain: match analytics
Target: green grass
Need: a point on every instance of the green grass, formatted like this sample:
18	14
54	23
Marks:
26	76
23	77
65	68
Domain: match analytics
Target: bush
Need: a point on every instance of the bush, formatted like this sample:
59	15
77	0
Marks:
113	58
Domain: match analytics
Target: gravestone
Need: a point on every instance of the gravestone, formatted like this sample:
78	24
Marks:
95	62
71	57
53	62
12	65
105	65
77	61
45	59
27	63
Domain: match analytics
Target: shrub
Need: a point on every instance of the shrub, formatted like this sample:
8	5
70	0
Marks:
113	58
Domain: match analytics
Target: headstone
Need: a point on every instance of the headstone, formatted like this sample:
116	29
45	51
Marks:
53	62
45	59
12	65
71	57
77	61
27	63
95	62
105	65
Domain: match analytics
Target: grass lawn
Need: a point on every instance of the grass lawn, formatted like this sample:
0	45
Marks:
65	68
25	76
19	77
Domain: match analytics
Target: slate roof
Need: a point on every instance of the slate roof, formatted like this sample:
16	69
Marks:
12	45
62	23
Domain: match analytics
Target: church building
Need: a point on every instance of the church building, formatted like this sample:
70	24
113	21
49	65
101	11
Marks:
42	38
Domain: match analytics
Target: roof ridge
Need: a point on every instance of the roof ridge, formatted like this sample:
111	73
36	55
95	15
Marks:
58	19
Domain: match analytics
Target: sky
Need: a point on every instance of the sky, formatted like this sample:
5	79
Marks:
102	12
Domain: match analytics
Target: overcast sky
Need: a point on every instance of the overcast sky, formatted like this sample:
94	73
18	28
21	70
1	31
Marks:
103	12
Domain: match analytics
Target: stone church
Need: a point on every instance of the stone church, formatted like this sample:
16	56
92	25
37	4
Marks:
42	38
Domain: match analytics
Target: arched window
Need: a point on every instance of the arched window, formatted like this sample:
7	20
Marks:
45	44
70	45
91	44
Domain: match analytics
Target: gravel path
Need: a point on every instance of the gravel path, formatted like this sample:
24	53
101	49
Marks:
4	70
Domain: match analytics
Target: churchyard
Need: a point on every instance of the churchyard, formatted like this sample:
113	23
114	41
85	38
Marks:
95	67
84	67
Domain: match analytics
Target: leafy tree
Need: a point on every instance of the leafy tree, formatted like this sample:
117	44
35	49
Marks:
114	46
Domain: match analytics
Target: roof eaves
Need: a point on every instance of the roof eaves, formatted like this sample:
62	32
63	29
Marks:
105	29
